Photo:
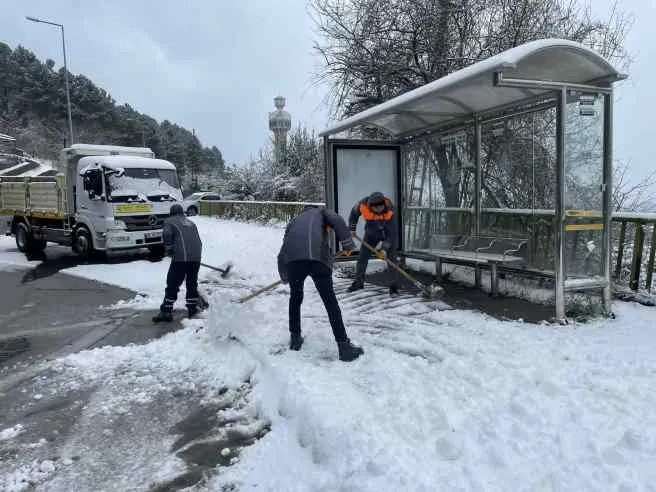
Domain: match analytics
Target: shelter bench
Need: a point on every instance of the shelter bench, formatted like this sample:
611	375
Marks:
481	250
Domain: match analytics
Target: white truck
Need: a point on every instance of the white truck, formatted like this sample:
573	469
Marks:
108	198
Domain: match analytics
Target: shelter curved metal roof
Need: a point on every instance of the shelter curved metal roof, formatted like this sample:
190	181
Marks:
472	90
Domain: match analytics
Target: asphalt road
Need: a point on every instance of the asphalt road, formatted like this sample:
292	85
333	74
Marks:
45	314
67	440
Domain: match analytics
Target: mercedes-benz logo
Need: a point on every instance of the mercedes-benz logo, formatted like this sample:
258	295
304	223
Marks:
152	220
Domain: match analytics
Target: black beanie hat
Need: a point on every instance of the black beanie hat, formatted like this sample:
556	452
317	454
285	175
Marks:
176	209
376	198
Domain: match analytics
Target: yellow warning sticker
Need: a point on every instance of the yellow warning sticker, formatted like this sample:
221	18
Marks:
132	208
582	213
584	227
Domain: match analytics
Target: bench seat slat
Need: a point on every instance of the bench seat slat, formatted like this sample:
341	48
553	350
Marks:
477	257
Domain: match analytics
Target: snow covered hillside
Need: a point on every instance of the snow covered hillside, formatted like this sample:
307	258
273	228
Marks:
442	399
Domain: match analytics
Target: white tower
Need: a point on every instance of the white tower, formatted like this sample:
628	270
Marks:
280	122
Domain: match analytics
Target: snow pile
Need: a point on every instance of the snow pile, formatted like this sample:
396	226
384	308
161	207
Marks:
28	476
10	432
449	400
124	438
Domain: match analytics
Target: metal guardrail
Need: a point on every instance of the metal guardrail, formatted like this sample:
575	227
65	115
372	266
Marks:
639	223
539	225
253	210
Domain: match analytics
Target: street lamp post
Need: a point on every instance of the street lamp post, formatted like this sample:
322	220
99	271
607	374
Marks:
68	95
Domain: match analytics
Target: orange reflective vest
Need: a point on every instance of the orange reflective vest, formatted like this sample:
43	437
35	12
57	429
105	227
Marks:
370	215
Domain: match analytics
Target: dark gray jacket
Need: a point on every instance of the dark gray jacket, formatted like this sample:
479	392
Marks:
181	239
306	238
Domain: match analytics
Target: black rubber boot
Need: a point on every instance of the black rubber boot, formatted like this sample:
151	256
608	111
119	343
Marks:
357	285
192	311
295	342
163	316
393	291
348	351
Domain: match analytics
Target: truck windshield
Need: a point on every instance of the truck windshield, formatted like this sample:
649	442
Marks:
144	184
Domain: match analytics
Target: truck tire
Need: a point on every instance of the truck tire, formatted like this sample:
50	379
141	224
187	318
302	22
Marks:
25	241
192	210
82	243
24	238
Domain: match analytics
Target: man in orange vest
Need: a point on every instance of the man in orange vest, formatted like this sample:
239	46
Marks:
380	230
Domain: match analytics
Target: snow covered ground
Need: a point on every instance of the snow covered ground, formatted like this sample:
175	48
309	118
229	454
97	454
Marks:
442	399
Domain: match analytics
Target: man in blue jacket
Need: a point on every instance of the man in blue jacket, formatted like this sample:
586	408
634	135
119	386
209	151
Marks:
305	252
182	243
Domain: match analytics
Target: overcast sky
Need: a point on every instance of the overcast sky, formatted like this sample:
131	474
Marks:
216	65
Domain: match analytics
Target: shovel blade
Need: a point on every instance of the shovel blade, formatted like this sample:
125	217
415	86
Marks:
226	271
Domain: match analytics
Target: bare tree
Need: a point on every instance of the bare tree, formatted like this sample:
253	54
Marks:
374	50
631	196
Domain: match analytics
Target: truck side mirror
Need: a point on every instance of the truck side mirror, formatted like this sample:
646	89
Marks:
92	181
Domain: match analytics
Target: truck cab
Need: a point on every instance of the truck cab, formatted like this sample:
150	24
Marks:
124	200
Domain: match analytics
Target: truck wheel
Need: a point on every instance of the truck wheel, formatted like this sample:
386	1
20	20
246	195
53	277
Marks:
82	243
192	210
23	237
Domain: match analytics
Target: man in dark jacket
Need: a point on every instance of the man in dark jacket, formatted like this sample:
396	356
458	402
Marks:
305	252
380	229
183	245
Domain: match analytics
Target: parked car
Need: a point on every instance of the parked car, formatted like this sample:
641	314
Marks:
191	204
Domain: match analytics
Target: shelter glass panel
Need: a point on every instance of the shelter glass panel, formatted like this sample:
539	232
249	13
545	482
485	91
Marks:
584	164
518	176
439	189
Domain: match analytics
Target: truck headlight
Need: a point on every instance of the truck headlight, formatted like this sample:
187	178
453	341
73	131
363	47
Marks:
119	225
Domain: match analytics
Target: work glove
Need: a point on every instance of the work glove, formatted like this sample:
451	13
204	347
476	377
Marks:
380	248
346	252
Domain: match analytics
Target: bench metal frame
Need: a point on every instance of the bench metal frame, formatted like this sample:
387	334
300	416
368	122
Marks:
477	257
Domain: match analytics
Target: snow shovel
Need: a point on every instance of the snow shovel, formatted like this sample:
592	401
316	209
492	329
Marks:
268	287
224	271
427	292
258	292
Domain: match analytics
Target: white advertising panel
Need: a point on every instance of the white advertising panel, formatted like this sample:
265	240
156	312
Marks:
361	171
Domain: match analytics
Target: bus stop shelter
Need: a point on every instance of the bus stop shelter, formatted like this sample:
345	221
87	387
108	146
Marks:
508	159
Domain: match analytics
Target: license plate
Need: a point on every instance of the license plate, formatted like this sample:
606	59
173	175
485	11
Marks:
130	208
149	235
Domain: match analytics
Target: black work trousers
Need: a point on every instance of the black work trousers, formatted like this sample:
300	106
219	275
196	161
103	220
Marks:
322	276
178	272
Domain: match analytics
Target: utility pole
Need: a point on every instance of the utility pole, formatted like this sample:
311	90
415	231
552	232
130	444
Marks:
68	94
